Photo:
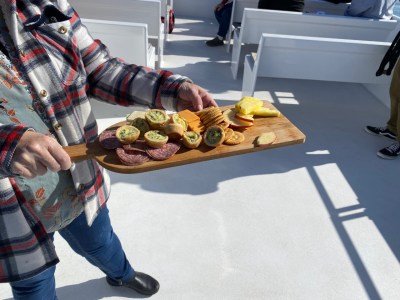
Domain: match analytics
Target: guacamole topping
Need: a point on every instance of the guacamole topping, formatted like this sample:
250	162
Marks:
214	135
179	120
192	136
157	115
156	135
127	131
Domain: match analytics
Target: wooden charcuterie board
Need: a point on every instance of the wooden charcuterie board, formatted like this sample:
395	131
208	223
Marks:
286	134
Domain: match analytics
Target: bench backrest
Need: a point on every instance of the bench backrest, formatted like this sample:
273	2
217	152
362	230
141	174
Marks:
239	6
300	57
137	11
125	40
258	21
309	6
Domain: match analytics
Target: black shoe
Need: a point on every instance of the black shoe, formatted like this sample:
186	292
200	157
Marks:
384	131
215	42
390	152
141	283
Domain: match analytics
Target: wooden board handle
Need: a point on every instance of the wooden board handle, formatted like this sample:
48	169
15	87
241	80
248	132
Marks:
78	152
84	151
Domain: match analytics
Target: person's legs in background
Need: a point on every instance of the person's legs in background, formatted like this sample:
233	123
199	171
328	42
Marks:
224	20
393	125
223	17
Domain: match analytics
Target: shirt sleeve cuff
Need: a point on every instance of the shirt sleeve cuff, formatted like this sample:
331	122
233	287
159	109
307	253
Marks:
169	91
11	134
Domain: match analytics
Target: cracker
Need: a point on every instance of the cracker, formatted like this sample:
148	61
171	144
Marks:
235	139
204	111
216	121
210	114
224	124
228	133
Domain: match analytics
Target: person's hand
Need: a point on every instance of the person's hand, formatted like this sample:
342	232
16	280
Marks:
194	97
35	153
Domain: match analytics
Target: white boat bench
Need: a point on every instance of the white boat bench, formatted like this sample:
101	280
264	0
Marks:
255	22
137	11
125	40
310	6
314	58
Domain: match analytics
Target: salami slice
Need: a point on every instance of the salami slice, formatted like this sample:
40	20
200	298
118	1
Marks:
132	157
138	145
108	140
164	152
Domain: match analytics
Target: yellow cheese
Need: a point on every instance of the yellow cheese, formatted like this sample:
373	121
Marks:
188	115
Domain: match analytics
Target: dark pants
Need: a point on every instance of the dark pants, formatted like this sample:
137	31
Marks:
223	17
394	121
290	5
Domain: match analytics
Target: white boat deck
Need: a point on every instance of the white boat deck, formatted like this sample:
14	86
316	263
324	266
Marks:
313	221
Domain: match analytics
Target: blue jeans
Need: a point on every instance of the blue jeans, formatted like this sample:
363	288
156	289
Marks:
98	244
223	17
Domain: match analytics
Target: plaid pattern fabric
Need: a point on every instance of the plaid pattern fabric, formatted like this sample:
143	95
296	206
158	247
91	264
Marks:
25	248
66	68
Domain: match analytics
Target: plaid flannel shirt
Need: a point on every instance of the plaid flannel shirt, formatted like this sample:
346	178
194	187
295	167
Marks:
65	69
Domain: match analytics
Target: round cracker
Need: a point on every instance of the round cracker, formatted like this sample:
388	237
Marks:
204	111
211	118
210	110
224	124
235	139
210	115
216	121
228	133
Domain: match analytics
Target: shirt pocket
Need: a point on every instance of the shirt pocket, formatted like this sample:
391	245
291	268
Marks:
59	41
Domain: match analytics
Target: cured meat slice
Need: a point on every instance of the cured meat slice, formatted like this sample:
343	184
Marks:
132	157
164	152
138	145
108	139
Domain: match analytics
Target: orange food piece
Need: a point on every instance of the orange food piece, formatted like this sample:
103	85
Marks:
196	126
188	115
